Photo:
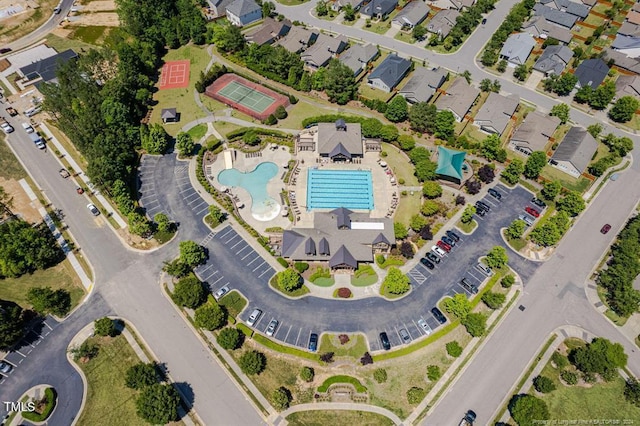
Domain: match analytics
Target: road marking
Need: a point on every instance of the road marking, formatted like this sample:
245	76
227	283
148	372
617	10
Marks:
198	213
221	277
265	271
247	255
298	338
229	229
200	204
417	276
258	257
242	249
20	353
239	242
185	189
205	269
288	331
263	262
233	237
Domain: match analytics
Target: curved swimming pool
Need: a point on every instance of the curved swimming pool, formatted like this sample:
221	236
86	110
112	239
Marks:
263	207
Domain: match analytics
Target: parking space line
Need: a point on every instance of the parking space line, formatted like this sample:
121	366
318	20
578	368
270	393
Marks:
20	353
198	213
248	254
229	229
197	201
239	242
187	197
243	248
263	262
253	260
474	276
231	239
266	270
288	331
204	269
214	283
298	338
186	189
48	326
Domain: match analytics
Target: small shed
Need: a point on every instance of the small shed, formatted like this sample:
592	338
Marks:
169	115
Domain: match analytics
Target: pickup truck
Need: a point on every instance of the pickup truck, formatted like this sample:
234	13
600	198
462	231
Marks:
468	419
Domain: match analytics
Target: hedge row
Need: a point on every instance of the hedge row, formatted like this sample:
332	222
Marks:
238	133
342	379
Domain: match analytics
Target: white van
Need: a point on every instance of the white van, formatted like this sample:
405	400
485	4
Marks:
27	127
37	140
484	268
32	111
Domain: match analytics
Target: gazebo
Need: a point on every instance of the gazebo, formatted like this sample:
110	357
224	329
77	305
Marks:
450	165
169	115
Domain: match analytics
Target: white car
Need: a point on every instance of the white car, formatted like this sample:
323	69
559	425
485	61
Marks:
271	329
218	294
27	127
7	128
5	367
254	317
93	209
437	250
424	326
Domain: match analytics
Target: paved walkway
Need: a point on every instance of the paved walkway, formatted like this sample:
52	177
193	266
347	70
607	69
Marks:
280	420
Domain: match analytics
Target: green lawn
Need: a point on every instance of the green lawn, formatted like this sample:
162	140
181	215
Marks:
62	44
406	37
322	418
580	184
364	280
369	92
400	164
634	123
297	113
408	206
223	127
355	347
234	302
296	293
467	227
324	282
10	167
198	131
109	401
379	27
91	35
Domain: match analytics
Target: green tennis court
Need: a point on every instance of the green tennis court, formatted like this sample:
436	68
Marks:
246	96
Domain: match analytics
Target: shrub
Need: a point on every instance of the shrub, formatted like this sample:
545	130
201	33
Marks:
344	293
380	375
283	262
366	359
141	375
460	200
301	266
271	120
493	300
344	339
569	377
543	384
525	408
454	349
105	327
281	398
589	377
507	281
327	357
49	401
210	316
86	350
632	391
230	338
433	373
559	360
252	362
475	323
281	113
289	280
307	374
189	292
158	403
415	395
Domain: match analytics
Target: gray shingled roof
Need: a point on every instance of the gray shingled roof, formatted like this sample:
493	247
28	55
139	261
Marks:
412	14
324	49
297	39
46	68
358	56
496	112
442	22
518	47
553	15
535	131
623	42
391	70
329	137
423	84
538	25
459	98
168	113
628	85
577	147
572	7
343	257
621	60
592	72
268	31
242	7
323	247
309	247
379	7
554	59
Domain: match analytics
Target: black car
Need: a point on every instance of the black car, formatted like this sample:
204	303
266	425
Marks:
384	339
439	315
453	235
495	194
468	286
484	21
480	211
426	262
538	202
484	205
313	342
448	241
432	257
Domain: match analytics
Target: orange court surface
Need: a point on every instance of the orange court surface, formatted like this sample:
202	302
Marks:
174	75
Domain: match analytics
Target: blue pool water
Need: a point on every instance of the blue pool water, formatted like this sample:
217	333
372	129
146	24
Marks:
263	207
330	189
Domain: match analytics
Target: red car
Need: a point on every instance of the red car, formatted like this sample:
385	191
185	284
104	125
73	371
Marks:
444	246
533	212
606	228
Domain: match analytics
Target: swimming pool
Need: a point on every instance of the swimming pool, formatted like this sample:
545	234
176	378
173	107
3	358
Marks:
330	189
263	207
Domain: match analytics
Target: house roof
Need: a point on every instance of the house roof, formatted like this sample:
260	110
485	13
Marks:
591	72
297	39
628	85
554	15
168	113
423	84
442	22
577	147
358	56
354	3
46	68
497	111
459	98
268	31
629	29
539	26
636	7
622	61
330	136
633	17
554	59
450	162
324	49
573	7
535	131
379	7
391	70
623	42
518	47
343	257
242	7
413	13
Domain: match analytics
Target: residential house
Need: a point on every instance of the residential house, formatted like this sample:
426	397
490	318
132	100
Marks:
270	31
423	84
389	73
378	9
629	29
442	22
459	98
358	56
339	4
496	112
539	27
44	70
340	237
517	48
559	17
579	9
450	4
629	46
325	48
411	15
298	39
591	72
534	133
628	85
574	152
633	17
219	7
622	61
553	60
243	12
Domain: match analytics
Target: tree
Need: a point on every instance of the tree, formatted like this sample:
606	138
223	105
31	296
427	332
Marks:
229	338
105	327
289	280
624	109
192	254
268	8
44	300
445	124
406	249
546	235
543	384
425	170
417	222
176	268
158	403
229	38
419	32
11	324
497	257
490	147
141	375
458	305
86	350
521	72
467	214
252	362
493	300
595	130
281	398
598	356
551	189
511	174
534	165
526	408
466	74
454	349
380	375
340	83
485	85
583	95
138	223
281	112
572	203
415	395
422	117
25	248
155	140
620	146
400	231
430	208
516	229
398	109
473	186
162	222
307	374
189	292
321	8
632	391
216	214
561	111
431	189
185	144
396	282
507	281
475	323
348	13
603	95
433	373
425	233
271	120
460	200
406	142
490	57
210	316
502	65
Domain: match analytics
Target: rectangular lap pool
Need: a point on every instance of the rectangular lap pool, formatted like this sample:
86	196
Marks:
330	189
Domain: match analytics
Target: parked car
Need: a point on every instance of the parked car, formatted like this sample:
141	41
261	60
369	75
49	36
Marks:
404	335
437	250
485	268
606	228
533	212
471	288
538	202
313	342
5	50
5	367
79	190
484	205
7	128
253	318
221	292
480	211
437	313
426	262
93	209
444	246
468	419
384	339
424	326
11	110
527	219
271	328
495	194
448	240
484	21
432	257
64	173
455	237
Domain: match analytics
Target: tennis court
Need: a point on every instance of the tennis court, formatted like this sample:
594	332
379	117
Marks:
246	96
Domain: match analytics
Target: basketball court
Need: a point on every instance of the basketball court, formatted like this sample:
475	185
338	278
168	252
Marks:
175	75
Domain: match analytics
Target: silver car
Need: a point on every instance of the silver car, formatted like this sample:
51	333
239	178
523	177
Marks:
424	326
254	317
404	335
271	329
218	294
5	367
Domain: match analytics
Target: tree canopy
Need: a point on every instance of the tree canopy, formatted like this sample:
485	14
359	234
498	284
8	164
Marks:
624	109
25	248
396	282
534	165
158	403
339	82
289	280
525	409
189	292
398	109
210	315
11	324
192	254
497	257
513	171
